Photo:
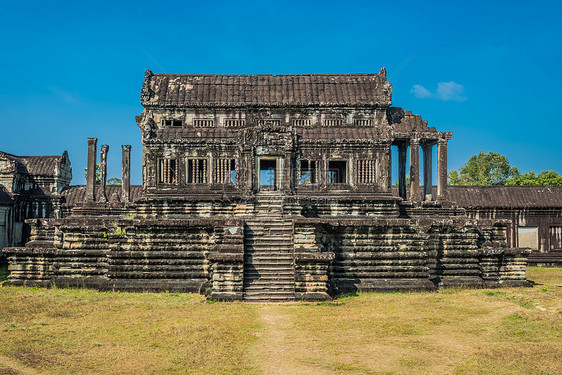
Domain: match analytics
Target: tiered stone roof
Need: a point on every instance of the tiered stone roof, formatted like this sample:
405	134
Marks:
211	90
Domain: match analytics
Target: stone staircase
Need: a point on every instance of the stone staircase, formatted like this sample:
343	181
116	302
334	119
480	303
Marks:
269	274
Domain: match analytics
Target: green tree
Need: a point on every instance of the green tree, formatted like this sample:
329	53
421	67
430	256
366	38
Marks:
114	181
484	169
110	181
544	178
407	180
98	178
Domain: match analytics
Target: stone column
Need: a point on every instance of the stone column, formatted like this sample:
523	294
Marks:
126	174
415	170
91	174
402	148
442	167
103	171
427	171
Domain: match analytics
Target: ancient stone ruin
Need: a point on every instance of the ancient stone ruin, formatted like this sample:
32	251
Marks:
271	188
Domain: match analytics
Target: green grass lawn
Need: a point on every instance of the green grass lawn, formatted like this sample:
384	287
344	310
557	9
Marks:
460	331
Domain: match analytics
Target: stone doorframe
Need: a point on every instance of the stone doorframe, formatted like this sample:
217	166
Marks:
279	167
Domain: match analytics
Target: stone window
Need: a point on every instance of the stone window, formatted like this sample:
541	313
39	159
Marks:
337	172
302	122
334	122
365	171
197	171
528	237
269	122
556	237
225	171
231	123
362	122
203	123
168	171
308	172
170	122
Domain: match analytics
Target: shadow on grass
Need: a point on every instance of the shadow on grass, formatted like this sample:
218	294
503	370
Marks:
4	273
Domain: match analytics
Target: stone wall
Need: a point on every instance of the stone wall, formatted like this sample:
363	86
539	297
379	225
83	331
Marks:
128	254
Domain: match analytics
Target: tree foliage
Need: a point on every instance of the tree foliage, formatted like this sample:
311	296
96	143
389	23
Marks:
484	169
494	169
114	181
550	178
98	178
110	181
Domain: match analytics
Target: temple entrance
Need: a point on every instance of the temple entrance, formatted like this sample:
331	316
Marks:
267	174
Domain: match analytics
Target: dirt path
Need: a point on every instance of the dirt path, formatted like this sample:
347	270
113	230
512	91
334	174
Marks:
10	366
275	352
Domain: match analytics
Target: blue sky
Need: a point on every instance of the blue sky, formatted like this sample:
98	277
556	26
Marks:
489	71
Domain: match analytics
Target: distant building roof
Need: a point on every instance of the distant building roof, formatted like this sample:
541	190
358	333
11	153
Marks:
75	195
36	165
210	90
506	196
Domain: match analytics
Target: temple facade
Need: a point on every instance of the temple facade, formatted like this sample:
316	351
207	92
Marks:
271	188
30	187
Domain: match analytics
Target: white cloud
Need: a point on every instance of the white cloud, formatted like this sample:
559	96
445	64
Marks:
420	92
450	91
445	91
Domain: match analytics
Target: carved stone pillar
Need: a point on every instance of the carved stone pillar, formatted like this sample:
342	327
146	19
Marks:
427	171
402	148
91	173
442	166
415	170
103	171
126	173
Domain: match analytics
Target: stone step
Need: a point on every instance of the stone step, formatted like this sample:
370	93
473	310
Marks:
275	236
288	296
270	271
257	284
275	259
260	292
266	285
262	228
270	275
266	264
268	255
269	224
270	250
273	254
264	231
268	237
269	247
264	293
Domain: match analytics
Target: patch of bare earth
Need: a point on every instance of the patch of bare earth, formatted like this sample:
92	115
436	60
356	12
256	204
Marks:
9	366
273	351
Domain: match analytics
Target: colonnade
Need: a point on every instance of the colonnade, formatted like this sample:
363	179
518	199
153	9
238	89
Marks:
425	191
91	172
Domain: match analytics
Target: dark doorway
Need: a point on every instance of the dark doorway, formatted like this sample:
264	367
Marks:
268	174
337	173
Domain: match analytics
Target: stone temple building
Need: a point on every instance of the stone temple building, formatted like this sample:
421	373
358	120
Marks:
271	188
30	187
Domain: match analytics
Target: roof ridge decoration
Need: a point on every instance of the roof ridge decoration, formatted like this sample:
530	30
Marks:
266	90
